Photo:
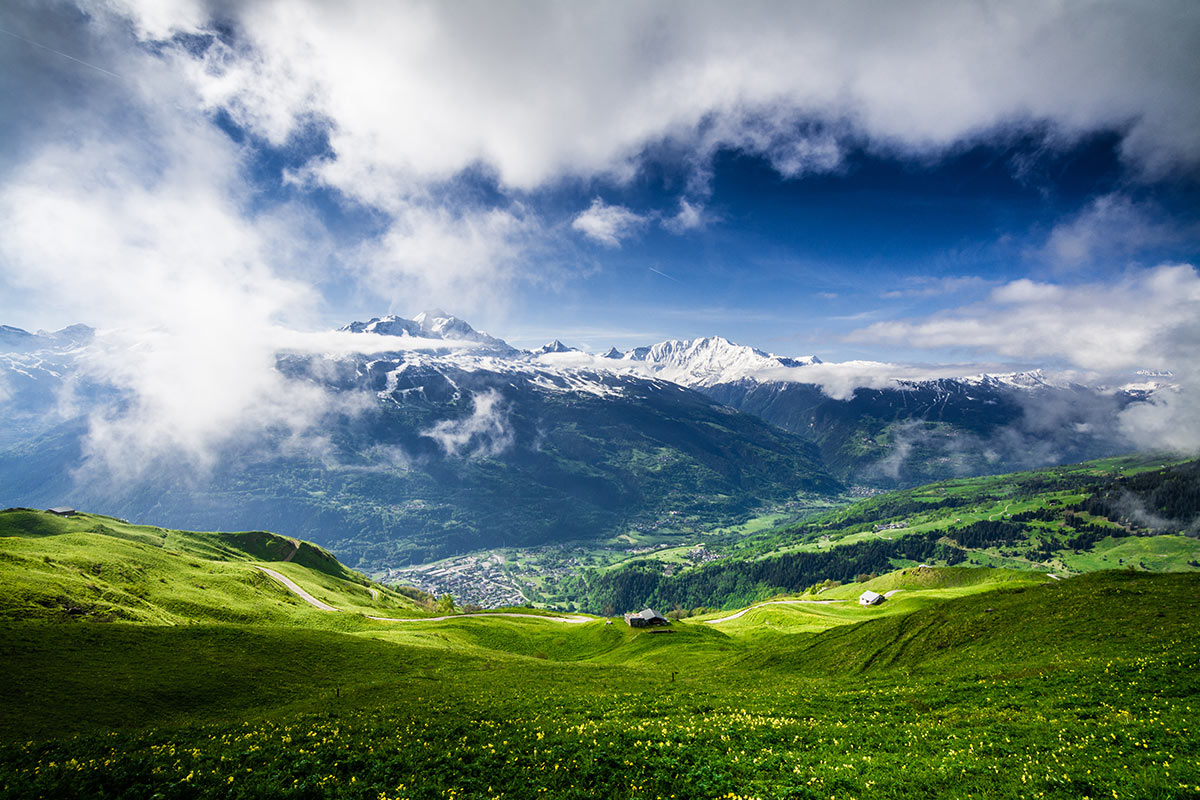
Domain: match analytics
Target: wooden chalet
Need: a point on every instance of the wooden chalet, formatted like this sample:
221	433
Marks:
645	618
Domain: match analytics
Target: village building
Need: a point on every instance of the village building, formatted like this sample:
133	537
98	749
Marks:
645	618
869	598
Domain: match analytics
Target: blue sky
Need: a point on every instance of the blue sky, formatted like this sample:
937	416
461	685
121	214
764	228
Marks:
891	182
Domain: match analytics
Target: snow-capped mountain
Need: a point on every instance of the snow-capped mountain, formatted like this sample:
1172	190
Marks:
478	442
701	363
18	340
899	431
32	369
435	325
708	361
694	363
554	347
428	451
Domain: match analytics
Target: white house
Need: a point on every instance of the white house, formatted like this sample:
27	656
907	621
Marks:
869	598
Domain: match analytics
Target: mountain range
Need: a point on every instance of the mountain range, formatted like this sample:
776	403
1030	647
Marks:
460	441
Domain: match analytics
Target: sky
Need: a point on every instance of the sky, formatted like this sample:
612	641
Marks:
1010	184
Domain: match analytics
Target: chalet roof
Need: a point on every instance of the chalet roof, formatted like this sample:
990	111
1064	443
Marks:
870	597
649	614
62	511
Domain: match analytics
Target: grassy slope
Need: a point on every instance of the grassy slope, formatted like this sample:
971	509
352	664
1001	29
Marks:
967	682
984	498
100	568
1092	617
1079	688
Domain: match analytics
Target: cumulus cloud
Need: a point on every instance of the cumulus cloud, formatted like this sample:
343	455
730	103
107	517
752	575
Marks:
343	343
131	213
126	205
1172	419
1097	326
484	434
418	91
412	97
607	225
464	259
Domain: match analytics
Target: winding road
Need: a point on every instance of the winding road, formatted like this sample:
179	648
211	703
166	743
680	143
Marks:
772	603
291	586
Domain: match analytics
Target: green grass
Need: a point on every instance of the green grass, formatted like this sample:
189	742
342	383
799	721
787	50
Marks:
966	683
1081	688
916	589
91	567
1156	554
1088	619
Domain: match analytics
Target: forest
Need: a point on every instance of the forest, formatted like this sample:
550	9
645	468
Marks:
1162	501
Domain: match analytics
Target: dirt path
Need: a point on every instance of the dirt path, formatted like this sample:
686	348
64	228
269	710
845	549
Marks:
295	549
291	586
568	620
771	603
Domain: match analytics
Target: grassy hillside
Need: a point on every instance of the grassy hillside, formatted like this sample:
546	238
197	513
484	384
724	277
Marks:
1084	687
98	568
1091	618
175	668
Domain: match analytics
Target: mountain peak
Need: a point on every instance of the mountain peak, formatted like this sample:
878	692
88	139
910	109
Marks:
389	325
710	360
433	324
554	347
20	340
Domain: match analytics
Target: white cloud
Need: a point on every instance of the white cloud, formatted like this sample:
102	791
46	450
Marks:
130	213
413	96
464	260
1120	325
417	92
689	218
1145	320
484	434
1109	231
342	343
928	286
607	225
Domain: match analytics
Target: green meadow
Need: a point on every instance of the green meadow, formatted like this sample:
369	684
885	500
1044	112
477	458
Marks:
147	663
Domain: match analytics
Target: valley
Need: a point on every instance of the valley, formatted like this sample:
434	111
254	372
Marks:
640	400
439	441
190	672
1036	529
